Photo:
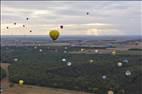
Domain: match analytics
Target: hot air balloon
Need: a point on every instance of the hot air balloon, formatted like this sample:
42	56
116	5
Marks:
14	23
64	60
110	92
91	60
21	82
65	51
30	30
61	26
96	51
82	49
7	27
40	50
69	64
27	18
54	34
104	77
23	25
87	13
113	52
125	61
15	59
119	64
128	73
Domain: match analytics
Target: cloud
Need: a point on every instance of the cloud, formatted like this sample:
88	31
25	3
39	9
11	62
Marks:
105	17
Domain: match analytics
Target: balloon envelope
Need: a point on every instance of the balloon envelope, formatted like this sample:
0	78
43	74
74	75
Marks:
54	34
14	23
23	25
27	18
69	64
114	52
61	26
110	92
21	82
87	13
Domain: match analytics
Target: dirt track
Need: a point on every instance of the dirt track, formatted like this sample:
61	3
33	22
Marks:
38	90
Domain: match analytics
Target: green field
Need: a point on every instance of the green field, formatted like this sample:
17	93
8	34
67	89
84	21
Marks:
46	68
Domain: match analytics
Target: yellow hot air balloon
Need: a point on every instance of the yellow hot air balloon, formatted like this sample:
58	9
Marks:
54	34
21	82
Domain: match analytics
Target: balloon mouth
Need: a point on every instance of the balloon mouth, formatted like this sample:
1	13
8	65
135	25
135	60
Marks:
54	39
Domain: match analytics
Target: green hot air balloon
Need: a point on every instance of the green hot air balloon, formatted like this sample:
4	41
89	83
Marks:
54	34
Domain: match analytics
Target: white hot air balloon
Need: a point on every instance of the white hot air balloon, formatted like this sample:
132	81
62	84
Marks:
65	52
96	51
69	63
91	60
35	47
104	77
128	73
64	60
65	48
40	50
15	59
125	61
119	64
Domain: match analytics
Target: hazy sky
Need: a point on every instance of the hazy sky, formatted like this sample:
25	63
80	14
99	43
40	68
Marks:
105	17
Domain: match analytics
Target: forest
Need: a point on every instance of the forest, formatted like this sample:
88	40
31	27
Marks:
94	73
2	73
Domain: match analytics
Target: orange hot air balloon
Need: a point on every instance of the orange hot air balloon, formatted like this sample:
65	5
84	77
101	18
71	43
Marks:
54	34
